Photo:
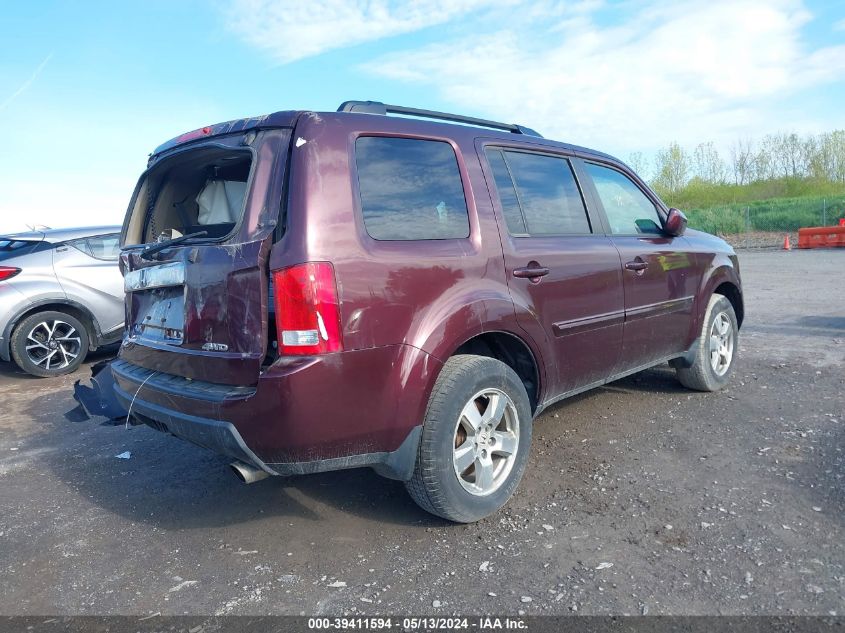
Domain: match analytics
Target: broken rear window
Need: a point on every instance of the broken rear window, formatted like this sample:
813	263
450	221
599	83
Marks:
201	190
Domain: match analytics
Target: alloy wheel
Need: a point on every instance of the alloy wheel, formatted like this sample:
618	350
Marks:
53	344
486	441
721	344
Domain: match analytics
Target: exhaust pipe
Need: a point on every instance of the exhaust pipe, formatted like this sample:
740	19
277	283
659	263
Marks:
246	473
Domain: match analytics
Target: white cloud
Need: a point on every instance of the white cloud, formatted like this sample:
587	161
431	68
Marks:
288	30
691	71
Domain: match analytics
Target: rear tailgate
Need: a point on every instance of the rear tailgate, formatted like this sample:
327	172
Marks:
200	309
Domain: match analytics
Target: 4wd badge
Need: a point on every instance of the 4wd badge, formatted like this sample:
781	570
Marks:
215	347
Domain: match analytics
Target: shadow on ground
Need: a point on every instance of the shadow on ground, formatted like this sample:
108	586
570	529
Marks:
174	485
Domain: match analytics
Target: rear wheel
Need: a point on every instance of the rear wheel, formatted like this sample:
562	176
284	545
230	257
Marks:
49	344
475	440
716	348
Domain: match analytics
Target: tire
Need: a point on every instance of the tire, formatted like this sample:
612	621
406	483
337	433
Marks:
712	371
48	344
496	448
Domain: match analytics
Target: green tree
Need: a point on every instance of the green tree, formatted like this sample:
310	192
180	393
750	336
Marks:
742	161
637	162
707	164
672	168
826	156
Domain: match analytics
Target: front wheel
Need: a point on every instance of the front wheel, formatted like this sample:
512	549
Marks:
716	348
475	441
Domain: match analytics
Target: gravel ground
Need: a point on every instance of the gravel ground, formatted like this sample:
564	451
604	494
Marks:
761	239
640	497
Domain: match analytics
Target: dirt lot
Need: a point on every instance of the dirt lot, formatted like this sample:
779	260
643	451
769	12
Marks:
640	498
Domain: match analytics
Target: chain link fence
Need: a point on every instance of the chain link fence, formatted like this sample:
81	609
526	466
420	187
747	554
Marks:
765	224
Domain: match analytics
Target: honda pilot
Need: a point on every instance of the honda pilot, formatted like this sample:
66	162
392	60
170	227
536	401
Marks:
402	289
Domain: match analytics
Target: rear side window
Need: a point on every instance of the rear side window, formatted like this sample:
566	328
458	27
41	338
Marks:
11	247
411	189
542	190
628	209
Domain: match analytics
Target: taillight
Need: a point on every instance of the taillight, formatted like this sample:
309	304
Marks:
7	272
307	310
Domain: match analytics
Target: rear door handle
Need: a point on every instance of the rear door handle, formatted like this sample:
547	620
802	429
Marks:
639	266
530	272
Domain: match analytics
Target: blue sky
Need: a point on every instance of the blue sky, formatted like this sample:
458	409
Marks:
88	89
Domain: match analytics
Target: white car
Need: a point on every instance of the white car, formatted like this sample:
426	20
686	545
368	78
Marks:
61	296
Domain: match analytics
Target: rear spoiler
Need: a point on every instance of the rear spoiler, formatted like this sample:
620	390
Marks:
277	119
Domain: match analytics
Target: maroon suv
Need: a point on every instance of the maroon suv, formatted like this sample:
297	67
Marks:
316	291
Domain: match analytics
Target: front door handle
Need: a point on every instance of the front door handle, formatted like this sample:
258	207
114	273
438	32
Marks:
530	272
637	265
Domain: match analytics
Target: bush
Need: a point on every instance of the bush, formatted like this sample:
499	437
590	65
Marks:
780	214
717	220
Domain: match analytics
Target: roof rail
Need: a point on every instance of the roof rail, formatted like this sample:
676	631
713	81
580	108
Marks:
377	107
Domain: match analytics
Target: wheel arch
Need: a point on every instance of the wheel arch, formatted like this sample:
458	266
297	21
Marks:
733	294
722	278
513	351
488	326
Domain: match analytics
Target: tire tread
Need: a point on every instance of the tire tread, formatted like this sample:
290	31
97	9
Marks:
424	486
699	377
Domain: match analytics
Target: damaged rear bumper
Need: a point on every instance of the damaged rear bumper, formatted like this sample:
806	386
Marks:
105	398
127	393
99	399
216	435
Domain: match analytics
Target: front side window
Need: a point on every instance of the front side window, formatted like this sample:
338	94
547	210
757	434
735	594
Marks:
507	192
628	209
105	247
411	189
539	194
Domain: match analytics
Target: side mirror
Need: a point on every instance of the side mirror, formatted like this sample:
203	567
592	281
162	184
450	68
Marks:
676	223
